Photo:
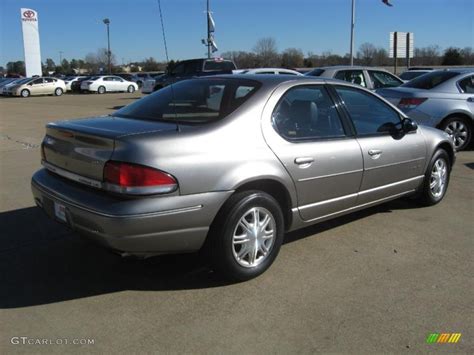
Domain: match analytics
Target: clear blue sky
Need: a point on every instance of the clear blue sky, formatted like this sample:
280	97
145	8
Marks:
75	26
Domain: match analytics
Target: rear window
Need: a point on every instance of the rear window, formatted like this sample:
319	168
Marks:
431	80
219	65
315	72
193	101
409	75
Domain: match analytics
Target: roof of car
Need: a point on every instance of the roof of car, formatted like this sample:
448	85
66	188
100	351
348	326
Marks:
275	79
348	67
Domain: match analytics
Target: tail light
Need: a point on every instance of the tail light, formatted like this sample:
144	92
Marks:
409	103
137	179
43	155
89	82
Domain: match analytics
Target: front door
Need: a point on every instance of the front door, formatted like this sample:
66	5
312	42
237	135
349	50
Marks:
311	141
393	162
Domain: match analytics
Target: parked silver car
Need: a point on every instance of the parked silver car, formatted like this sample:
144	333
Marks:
230	163
442	99
367	77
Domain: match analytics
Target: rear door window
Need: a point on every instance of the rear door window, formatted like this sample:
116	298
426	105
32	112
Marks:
352	76
430	80
467	85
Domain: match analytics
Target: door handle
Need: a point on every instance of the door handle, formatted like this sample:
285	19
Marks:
470	99
304	160
373	152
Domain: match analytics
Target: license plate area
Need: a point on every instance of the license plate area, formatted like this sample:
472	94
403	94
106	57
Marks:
60	212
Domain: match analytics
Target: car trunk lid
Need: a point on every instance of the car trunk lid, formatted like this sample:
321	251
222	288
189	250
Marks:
82	147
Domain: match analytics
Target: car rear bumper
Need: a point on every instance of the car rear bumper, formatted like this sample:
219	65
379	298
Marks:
138	226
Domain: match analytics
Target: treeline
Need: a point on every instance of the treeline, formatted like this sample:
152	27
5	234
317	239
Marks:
264	54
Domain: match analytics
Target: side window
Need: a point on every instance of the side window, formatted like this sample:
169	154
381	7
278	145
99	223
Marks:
48	80
369	114
37	81
467	85
307	112
352	76
266	72
383	80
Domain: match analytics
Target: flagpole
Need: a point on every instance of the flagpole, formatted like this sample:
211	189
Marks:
208	33
352	32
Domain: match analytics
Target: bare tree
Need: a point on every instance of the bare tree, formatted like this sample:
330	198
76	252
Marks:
366	53
292	58
267	52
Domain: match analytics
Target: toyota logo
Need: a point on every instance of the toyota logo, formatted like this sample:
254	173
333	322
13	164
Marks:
29	14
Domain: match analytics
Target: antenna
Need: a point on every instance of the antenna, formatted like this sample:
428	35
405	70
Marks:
168	62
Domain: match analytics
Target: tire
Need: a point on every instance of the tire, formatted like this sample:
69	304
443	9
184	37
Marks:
58	92
460	131
131	89
25	93
436	179
101	90
236	255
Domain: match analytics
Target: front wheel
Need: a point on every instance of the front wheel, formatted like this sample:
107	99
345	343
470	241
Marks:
25	93
436	179
131	89
247	235
459	130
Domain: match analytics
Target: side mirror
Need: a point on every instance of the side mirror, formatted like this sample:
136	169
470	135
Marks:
408	125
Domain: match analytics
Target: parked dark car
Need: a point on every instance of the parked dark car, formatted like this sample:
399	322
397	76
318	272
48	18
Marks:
76	85
187	69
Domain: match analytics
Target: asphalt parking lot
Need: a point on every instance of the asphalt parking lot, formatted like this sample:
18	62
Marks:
376	281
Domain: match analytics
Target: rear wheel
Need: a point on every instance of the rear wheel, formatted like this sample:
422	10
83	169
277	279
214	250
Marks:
25	93
58	92
436	179
101	90
131	89
247	235
459	130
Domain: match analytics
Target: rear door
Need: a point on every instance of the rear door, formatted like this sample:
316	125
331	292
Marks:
37	86
315	145
48	86
393	162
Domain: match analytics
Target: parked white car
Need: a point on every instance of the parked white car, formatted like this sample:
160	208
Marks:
70	79
108	83
280	71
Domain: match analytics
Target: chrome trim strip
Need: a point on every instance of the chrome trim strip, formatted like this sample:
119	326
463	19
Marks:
72	176
64	200
378	188
360	206
321	203
393	164
361	193
330	175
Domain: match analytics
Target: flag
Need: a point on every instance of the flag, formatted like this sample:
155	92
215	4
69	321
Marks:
213	45
210	23
387	2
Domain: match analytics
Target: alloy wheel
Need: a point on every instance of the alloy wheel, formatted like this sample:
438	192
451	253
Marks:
458	131
438	178
253	237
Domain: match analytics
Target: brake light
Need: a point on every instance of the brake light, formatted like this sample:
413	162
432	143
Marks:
89	82
137	179
409	103
43	155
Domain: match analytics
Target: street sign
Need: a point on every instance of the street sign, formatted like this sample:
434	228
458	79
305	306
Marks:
404	41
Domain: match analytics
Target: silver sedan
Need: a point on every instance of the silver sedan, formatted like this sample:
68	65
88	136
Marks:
443	99
228	164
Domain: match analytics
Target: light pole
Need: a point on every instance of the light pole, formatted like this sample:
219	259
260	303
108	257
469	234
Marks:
107	23
352	32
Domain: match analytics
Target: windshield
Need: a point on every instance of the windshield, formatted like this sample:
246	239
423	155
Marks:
430	80
193	101
22	81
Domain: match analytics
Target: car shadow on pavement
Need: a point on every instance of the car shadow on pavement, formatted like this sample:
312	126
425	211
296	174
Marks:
43	262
